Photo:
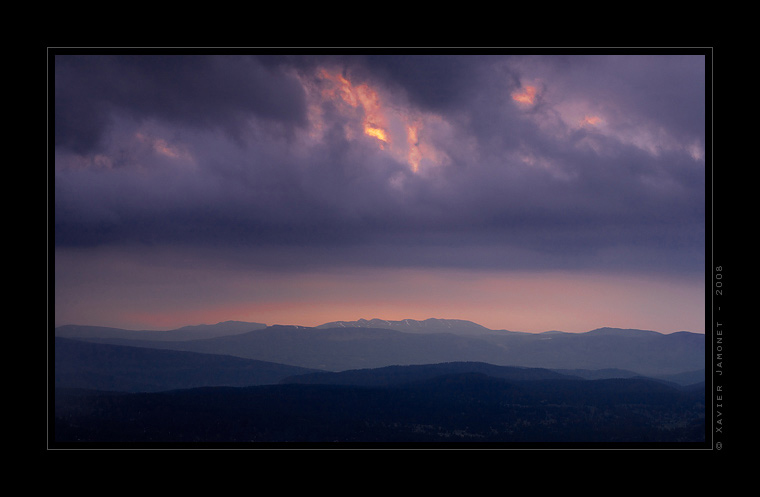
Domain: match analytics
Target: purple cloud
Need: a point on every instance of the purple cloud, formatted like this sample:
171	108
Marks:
604	166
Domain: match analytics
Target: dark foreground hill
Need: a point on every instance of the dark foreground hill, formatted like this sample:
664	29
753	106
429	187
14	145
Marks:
464	407
98	366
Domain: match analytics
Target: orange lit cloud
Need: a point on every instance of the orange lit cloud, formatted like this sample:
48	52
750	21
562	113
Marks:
415	154
591	120
144	143
374	121
526	96
363	96
397	129
378	133
341	87
162	147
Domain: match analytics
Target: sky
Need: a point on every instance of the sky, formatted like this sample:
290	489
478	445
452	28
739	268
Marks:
522	192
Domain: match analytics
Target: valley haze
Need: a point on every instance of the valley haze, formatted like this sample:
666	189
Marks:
341	345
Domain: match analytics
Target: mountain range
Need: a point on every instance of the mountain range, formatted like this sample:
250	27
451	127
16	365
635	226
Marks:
342	345
431	325
376	381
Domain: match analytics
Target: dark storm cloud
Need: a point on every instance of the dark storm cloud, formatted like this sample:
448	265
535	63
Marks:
439	82
522	188
435	82
198	91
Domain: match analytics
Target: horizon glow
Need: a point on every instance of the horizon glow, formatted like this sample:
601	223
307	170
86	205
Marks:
156	294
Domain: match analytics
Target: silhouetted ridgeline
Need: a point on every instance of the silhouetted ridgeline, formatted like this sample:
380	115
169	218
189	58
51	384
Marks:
399	375
464	407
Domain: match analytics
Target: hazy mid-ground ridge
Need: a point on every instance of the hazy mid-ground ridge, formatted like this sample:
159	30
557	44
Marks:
193	332
629	352
87	365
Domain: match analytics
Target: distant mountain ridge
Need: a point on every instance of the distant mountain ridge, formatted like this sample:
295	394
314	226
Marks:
225	328
430	325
